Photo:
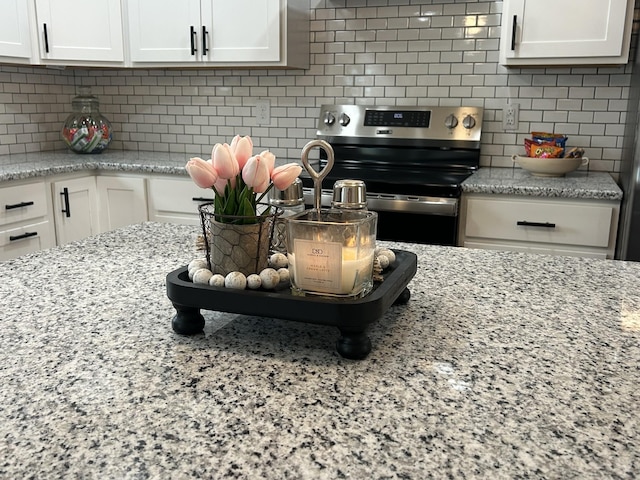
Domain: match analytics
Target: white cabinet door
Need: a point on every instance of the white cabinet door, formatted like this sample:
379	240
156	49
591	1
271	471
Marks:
164	31
176	200
26	224
16	241
14	30
122	201
75	209
241	30
80	31
218	32
566	32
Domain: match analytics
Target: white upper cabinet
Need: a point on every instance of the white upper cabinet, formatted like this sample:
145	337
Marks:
551	32
89	33
164	31
242	30
218	32
15	33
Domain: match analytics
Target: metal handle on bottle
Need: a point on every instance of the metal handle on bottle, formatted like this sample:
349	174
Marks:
317	176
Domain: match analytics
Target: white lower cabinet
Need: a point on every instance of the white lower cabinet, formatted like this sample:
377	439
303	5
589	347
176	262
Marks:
25	239
176	200
122	201
26	224
75	208
556	226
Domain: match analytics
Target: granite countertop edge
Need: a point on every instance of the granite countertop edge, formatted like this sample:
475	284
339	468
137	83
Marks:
516	181
486	180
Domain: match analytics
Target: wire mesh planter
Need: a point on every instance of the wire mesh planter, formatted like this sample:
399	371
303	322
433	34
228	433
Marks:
237	243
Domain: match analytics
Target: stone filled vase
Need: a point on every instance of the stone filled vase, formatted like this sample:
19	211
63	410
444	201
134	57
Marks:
235	243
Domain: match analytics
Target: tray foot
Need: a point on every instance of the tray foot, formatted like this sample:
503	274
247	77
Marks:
188	320
353	345
403	298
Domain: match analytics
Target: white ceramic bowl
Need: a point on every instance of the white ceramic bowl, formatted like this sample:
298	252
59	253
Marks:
549	167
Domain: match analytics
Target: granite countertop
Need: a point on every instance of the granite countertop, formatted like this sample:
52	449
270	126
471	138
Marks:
31	165
501	365
516	181
513	181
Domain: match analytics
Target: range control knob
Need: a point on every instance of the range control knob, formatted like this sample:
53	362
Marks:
451	121
344	119
329	118
468	122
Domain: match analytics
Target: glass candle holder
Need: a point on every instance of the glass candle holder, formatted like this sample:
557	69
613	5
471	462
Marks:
331	252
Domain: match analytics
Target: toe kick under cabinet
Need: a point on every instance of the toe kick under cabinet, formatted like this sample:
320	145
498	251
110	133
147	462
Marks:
555	226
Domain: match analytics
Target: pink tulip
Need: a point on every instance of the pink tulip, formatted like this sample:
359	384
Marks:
224	161
201	172
256	174
284	175
222	183
242	148
270	159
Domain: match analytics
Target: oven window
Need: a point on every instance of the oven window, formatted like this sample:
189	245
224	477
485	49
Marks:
417	228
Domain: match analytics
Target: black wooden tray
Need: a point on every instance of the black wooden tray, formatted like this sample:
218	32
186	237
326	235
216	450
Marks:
350	316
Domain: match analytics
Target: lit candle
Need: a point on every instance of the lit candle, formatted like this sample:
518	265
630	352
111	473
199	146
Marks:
318	271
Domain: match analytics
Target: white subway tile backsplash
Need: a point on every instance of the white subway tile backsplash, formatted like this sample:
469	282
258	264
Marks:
386	52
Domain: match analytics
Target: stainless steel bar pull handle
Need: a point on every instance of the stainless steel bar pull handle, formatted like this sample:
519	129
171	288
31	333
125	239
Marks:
513	32
46	38
13	238
17	205
202	199
204	40
193	41
524	223
65	196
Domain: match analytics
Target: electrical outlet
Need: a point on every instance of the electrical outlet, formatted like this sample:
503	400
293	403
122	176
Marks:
510	116
263	112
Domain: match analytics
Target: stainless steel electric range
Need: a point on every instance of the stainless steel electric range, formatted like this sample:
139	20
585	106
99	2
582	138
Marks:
412	160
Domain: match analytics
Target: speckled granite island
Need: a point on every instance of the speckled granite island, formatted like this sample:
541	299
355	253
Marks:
501	365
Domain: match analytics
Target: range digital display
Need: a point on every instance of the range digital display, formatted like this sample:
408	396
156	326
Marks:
397	118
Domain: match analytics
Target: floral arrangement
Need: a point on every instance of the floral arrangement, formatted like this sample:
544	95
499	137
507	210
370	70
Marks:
237	177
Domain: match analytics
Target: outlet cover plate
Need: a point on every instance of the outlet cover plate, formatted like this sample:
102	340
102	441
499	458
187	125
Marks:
510	115
263	112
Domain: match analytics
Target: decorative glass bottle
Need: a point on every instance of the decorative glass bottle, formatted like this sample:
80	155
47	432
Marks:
86	130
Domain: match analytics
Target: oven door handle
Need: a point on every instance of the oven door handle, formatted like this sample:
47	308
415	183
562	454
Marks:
418	205
444	206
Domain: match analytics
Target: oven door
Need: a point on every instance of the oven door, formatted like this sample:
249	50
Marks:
403	218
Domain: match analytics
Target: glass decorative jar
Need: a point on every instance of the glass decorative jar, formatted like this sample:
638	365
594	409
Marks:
86	130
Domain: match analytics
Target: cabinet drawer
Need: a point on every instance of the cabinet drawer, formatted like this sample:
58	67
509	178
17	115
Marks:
26	239
22	202
539	221
176	195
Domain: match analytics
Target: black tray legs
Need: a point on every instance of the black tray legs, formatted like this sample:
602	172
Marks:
354	345
188	320
403	298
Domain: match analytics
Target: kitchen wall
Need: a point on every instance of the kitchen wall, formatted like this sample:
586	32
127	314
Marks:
386	52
